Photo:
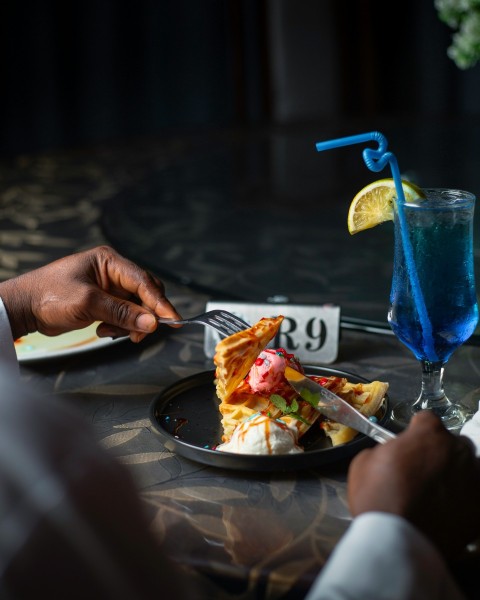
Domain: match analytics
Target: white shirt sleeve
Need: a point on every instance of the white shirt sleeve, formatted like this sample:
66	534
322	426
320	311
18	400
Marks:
8	356
380	557
471	429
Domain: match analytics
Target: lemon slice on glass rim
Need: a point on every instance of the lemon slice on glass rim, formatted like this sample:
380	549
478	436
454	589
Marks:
374	203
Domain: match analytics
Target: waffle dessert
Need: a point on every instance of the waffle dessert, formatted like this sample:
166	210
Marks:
250	379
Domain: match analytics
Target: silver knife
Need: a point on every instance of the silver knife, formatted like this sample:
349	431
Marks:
337	409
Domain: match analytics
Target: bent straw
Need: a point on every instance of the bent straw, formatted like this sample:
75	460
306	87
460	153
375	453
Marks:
376	160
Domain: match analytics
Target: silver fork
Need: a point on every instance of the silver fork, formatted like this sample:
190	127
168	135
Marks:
221	320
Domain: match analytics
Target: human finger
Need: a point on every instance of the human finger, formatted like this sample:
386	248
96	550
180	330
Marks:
119	275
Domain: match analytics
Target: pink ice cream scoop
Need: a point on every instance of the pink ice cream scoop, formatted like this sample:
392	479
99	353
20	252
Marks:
267	373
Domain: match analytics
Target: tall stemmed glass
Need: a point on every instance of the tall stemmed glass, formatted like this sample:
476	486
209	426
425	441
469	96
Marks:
433	300
440	235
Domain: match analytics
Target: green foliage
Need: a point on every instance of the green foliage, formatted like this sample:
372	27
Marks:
464	17
310	397
287	409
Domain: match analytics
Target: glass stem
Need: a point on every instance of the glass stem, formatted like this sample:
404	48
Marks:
432	395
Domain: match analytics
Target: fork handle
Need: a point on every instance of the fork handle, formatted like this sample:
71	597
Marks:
172	321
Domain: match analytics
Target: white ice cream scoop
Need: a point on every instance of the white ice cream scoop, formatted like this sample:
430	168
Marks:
260	434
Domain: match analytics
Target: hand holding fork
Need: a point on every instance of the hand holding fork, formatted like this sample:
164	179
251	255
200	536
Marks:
224	322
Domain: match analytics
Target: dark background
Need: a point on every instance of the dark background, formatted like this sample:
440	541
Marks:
81	72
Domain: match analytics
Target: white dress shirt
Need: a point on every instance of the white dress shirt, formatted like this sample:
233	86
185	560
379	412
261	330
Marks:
72	524
383	557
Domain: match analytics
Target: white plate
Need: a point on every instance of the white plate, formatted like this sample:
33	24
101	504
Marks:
36	346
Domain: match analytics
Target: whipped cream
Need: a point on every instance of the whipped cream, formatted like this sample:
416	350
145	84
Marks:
261	434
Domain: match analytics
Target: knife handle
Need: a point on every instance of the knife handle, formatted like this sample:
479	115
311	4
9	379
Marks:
379	433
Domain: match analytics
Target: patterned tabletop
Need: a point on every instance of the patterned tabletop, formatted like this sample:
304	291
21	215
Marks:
208	519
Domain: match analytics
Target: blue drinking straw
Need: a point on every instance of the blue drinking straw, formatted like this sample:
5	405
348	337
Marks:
376	160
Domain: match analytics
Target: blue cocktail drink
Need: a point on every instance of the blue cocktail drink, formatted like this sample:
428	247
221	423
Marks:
440	230
433	304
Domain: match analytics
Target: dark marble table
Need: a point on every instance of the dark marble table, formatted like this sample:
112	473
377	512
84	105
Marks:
209	520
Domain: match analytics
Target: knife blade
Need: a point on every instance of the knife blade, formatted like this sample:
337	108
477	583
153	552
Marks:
336	408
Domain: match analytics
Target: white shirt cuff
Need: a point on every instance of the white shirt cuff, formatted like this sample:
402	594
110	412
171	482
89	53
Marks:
8	355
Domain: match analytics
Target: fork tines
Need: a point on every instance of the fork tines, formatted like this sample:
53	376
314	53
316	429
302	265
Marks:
227	323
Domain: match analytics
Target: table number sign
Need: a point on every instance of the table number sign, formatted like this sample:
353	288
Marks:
310	332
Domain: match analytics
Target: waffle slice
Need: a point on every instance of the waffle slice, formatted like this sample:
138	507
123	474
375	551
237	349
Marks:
367	398
240	406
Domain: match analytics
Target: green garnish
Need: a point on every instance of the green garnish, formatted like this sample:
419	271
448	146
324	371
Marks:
311	397
288	409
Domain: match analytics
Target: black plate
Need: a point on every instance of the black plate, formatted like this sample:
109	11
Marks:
186	417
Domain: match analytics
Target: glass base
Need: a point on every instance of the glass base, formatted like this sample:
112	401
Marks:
453	416
432	397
